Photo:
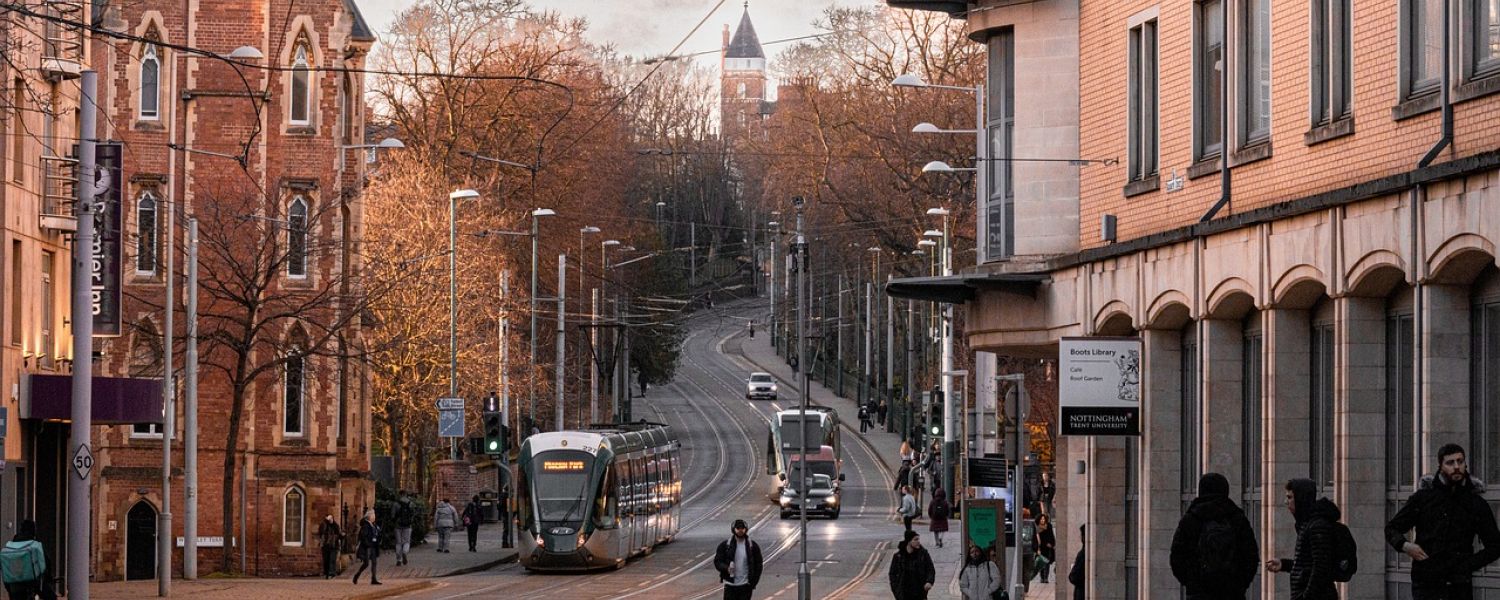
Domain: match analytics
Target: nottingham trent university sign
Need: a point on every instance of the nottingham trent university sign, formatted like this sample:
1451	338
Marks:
1100	388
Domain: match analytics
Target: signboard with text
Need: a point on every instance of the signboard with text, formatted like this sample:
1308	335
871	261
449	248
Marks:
1100	388
106	249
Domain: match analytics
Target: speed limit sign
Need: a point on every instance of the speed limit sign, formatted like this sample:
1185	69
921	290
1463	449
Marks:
83	462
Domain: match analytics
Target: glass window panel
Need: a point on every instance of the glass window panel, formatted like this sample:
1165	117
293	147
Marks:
1425	45
1255	64
1209	85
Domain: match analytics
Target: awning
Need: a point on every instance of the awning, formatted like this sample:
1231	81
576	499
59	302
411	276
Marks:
957	289
116	400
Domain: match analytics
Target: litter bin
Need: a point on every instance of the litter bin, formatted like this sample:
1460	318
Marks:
489	506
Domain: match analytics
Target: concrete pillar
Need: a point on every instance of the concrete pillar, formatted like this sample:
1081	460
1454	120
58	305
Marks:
1161	473
1359	415
1223	398
1105	558
1445	364
1288	337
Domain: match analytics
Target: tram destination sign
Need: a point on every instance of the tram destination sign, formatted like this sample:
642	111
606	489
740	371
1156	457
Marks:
1100	391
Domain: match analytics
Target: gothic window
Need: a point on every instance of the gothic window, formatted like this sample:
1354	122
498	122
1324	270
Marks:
294	390
293	517
296	243
145	234
150	104
301	100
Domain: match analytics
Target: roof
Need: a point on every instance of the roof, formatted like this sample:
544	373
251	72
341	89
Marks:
744	44
957	289
360	30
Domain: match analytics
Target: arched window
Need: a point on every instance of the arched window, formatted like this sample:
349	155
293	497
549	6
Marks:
346	111
150	84
294	392
296	243
145	234
301	99
293	517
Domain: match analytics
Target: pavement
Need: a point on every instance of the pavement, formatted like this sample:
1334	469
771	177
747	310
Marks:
425	565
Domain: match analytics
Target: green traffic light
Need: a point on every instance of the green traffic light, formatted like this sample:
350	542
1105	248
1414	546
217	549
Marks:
494	445
936	430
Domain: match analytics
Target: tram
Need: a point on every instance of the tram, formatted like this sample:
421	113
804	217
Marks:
591	499
783	443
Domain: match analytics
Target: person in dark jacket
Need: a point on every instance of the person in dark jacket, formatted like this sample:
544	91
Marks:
938	511
739	562
1447	513
912	573
1193	555
369	546
329	539
1312	567
1046	547
1076	574
471	522
903	475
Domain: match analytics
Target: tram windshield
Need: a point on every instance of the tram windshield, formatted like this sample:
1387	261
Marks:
824	468
791	437
561	484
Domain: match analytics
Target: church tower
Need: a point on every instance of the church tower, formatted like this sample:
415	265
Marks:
742	81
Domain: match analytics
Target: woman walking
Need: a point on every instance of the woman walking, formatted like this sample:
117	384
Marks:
1045	542
938	511
369	546
980	578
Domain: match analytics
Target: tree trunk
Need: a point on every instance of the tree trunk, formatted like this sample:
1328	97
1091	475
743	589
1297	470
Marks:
236	410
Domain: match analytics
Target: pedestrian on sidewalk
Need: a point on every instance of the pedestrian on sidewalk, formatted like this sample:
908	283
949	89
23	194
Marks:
1076	574
443	520
864	418
1447	512
406	516
1214	553
938	512
369	547
506	539
329	540
739	562
908	509
1046	547
1312	566
23	563
471	522
908	452
1047	492
903	475
911	574
980	578
880	412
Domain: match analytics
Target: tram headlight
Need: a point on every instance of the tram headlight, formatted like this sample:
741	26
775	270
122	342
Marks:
582	537
541	543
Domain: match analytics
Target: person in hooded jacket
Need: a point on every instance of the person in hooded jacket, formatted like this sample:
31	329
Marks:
1312	566
1237	562
1076	574
938	511
980	578
1448	512
29	560
911	574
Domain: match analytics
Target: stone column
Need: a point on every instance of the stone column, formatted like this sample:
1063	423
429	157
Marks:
1161	461
1445	369
1288	337
1223	399
1359	429
1105	558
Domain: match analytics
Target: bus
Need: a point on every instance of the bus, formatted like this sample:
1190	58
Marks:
594	498
821	425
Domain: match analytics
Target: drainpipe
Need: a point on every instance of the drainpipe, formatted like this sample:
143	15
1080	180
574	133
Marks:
1418	198
1224	187
1447	101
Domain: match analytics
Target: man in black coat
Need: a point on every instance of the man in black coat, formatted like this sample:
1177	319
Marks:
1214	554
739	563
912	573
1076	575
1448	513
1312	567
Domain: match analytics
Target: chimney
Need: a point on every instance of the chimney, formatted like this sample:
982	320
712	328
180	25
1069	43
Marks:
725	49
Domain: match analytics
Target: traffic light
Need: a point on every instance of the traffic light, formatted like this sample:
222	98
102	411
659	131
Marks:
494	433
936	427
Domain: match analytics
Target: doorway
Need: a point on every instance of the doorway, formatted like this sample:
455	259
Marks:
140	542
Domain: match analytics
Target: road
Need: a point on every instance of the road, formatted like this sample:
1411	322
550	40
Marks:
723	439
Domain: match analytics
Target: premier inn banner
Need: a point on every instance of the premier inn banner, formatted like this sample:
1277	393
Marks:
1100	391
106	249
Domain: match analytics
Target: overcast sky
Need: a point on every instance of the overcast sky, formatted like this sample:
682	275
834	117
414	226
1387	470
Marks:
652	27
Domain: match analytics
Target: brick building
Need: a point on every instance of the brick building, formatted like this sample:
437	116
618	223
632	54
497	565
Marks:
743	104
1326	306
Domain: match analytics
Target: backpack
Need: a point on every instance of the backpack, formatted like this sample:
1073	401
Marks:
1216	549
17	564
405	515
1345	555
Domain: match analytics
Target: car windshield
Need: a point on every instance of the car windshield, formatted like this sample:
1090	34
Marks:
819	482
820	468
760	378
561	483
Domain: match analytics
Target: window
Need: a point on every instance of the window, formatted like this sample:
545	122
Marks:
48	316
1484	401
145	234
1332	67
1255	72
1143	121
19	132
150	84
346	112
301	100
15	292
1208	79
1484	38
1402	427
1251	401
742	89
1320	413
1132	518
1000	210
296	243
146	361
293	392
293	520
1422	56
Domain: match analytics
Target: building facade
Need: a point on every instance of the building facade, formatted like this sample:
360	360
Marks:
1326	305
742	83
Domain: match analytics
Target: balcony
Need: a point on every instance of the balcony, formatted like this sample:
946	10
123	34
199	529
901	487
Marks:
62	52
59	193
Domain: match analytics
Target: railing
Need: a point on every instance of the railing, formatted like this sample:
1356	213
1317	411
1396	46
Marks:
62	52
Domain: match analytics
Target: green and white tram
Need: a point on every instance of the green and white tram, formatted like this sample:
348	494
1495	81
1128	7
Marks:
594	498
784	439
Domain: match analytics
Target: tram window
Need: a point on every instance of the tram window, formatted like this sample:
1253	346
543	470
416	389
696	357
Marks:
627	507
523	499
562	484
606	500
651	479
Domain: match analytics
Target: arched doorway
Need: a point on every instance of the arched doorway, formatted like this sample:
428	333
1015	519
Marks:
140	542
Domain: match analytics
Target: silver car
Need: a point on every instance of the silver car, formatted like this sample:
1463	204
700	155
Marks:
760	385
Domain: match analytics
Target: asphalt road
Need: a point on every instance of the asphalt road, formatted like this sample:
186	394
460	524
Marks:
723	438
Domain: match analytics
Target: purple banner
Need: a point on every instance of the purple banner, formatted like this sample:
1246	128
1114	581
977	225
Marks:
116	400
104	279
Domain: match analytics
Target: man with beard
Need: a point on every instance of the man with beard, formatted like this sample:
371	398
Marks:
1447	513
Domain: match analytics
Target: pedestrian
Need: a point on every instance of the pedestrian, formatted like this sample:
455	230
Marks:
1448	512
444	519
793	362
1046	547
903	475
914	481
980	578
1214	552
937	512
739	562
880	412
911	573
864	418
752	330
369	547
1313	562
906	451
406	516
329	539
23	563
471	522
908	509
1047	492
1076	574
506	538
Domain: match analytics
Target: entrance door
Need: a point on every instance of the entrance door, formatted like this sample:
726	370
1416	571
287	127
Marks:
140	542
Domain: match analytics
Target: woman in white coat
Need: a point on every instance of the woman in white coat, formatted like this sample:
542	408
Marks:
980	578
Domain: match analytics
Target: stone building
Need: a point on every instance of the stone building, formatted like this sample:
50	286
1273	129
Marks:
742	83
1324	305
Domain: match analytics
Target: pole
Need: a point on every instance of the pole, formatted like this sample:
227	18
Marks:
890	354
169	412
774	263
625	402
531	372
79	502
911	361
804	577
869	338
950	417
839	346
562	319
452	311
190	415
592	357
505	349
1017	477
693	253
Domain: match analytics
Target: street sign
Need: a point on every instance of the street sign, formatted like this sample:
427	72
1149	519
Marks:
83	462
450	423
988	472
1099	392
450	403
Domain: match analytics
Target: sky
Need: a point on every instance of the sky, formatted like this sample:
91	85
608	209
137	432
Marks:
653	27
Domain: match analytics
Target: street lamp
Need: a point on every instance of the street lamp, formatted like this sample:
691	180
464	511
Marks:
536	214
945	257
453	198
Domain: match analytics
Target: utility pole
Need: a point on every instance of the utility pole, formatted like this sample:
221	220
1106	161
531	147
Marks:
625	401
911	371
168	398
692	253
505	351
839	346
804	577
79	502
773	264
890	355
562	340
531	374
190	414
593	360
869	338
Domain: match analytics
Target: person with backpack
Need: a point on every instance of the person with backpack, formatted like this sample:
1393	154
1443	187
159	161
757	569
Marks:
23	563
1447	512
980	578
1214	554
471	522
1325	549
908	509
864	418
369	547
406	516
444	518
739	562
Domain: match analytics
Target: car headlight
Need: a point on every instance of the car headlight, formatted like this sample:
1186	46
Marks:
785	501
832	499
773	387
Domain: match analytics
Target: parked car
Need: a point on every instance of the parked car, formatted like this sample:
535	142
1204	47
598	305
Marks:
760	385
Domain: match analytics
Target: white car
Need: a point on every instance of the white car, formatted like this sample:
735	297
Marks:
760	385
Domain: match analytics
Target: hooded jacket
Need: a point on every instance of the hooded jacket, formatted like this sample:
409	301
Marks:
910	571
1211	506
1312	569
1447	518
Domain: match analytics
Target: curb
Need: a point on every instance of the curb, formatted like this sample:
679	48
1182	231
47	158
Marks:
483	566
393	591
